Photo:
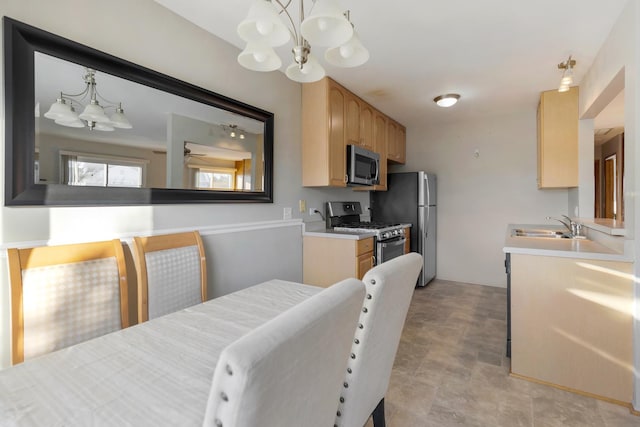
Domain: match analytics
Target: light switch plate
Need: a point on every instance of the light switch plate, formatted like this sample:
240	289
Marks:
286	213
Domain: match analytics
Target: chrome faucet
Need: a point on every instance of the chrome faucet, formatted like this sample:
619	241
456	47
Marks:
575	228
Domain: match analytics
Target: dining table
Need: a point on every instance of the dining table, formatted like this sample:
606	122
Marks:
156	373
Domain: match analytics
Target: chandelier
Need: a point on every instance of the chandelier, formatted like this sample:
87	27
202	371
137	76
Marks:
326	26
567	74
93	116
233	131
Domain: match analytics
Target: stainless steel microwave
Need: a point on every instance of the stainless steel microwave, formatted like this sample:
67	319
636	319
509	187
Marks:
363	166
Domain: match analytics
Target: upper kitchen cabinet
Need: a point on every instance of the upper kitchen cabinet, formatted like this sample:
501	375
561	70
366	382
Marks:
396	142
323	134
558	139
332	118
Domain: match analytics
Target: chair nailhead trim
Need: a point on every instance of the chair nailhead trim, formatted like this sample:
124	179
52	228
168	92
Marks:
224	396
229	370
218	423
368	296
360	325
365	309
373	281
346	385
341	399
357	341
339	413
349	370
353	356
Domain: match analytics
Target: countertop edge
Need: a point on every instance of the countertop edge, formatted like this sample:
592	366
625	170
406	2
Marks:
567	254
594	250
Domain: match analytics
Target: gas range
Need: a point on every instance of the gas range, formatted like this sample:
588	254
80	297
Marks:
345	217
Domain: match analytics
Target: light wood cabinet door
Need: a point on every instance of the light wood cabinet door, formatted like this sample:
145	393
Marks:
401	144
323	134
367	139
365	263
380	147
328	260
337	148
558	139
396	142
352	128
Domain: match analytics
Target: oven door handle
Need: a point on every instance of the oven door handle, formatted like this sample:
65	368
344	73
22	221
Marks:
397	242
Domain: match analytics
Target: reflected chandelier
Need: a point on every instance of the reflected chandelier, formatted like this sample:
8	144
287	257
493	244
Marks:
326	25
93	116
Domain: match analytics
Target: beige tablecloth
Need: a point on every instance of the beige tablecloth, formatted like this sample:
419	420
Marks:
155	374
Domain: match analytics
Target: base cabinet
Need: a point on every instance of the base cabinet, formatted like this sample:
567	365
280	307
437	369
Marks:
327	260
572	324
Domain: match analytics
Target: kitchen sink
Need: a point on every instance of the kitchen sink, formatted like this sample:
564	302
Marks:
540	232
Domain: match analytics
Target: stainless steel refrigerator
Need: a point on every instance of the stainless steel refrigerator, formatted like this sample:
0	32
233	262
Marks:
411	198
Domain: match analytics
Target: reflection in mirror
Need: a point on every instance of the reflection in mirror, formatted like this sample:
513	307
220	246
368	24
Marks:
172	142
609	160
83	127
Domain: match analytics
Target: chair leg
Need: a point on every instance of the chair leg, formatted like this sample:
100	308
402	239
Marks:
378	414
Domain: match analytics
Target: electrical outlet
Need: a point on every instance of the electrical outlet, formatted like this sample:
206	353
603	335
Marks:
302	205
312	211
286	213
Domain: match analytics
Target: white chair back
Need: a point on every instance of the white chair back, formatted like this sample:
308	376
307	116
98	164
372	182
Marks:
289	371
389	286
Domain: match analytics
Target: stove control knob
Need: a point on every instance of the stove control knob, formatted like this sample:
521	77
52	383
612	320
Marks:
395	232
384	235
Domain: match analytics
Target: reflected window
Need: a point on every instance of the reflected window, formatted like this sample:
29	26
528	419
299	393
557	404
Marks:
98	171
215	179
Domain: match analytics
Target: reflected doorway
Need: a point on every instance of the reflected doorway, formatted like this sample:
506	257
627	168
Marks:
609	160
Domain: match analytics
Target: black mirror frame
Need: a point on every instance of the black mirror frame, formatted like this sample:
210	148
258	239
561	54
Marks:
21	41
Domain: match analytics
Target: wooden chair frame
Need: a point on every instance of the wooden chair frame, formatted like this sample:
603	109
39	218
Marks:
22	259
143	245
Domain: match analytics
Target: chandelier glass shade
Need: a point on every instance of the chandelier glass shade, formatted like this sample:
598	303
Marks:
326	26
93	116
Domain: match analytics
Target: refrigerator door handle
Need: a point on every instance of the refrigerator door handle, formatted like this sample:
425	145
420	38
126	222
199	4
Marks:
426	184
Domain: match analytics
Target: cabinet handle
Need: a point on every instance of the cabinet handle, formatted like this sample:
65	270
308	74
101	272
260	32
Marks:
373	259
346	178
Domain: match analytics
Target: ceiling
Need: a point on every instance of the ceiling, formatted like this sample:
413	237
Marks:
497	54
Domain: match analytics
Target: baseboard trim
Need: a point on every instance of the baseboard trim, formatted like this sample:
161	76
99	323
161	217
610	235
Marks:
627	405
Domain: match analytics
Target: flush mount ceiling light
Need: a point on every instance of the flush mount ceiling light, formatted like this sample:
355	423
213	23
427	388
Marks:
567	74
326	26
93	116
446	100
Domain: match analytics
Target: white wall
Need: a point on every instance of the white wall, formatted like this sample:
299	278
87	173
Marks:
479	196
621	52
149	35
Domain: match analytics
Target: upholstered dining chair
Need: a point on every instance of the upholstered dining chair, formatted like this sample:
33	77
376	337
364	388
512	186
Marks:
288	372
171	273
390	286
66	294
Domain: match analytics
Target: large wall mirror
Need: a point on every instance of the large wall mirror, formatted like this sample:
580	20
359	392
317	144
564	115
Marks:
86	128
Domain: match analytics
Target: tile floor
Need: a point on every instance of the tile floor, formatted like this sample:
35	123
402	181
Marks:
450	370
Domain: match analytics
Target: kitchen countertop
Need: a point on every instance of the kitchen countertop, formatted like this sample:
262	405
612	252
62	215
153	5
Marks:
567	248
338	234
315	230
